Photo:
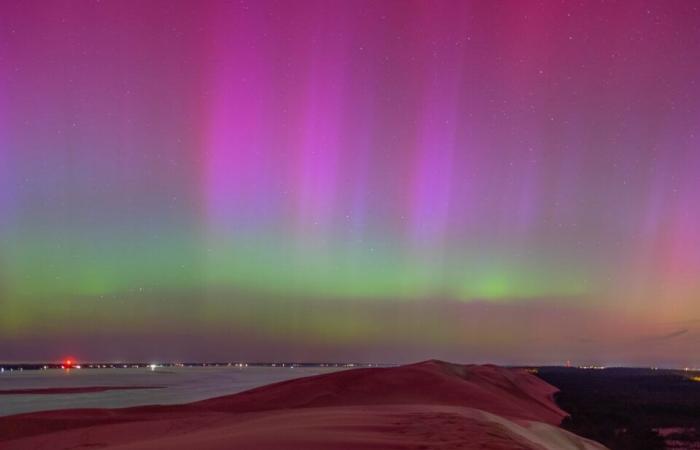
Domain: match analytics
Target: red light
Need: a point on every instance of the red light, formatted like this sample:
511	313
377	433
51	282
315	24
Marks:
68	363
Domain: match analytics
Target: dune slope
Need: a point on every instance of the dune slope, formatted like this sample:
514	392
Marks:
429	405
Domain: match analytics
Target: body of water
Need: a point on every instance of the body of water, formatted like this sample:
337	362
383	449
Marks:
179	385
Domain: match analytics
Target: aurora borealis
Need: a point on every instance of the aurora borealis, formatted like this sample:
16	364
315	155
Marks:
514	182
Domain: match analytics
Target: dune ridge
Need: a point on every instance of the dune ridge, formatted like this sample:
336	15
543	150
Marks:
427	405
500	391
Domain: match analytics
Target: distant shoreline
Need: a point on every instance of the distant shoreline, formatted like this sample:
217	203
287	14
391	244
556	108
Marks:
73	390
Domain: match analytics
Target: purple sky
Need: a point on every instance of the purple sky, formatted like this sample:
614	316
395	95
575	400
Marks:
510	181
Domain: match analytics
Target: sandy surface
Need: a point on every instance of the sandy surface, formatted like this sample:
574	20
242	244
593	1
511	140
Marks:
430	405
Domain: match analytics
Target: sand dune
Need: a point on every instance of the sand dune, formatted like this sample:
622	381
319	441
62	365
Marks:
429	405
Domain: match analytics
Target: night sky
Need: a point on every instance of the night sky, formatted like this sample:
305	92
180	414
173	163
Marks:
510	181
